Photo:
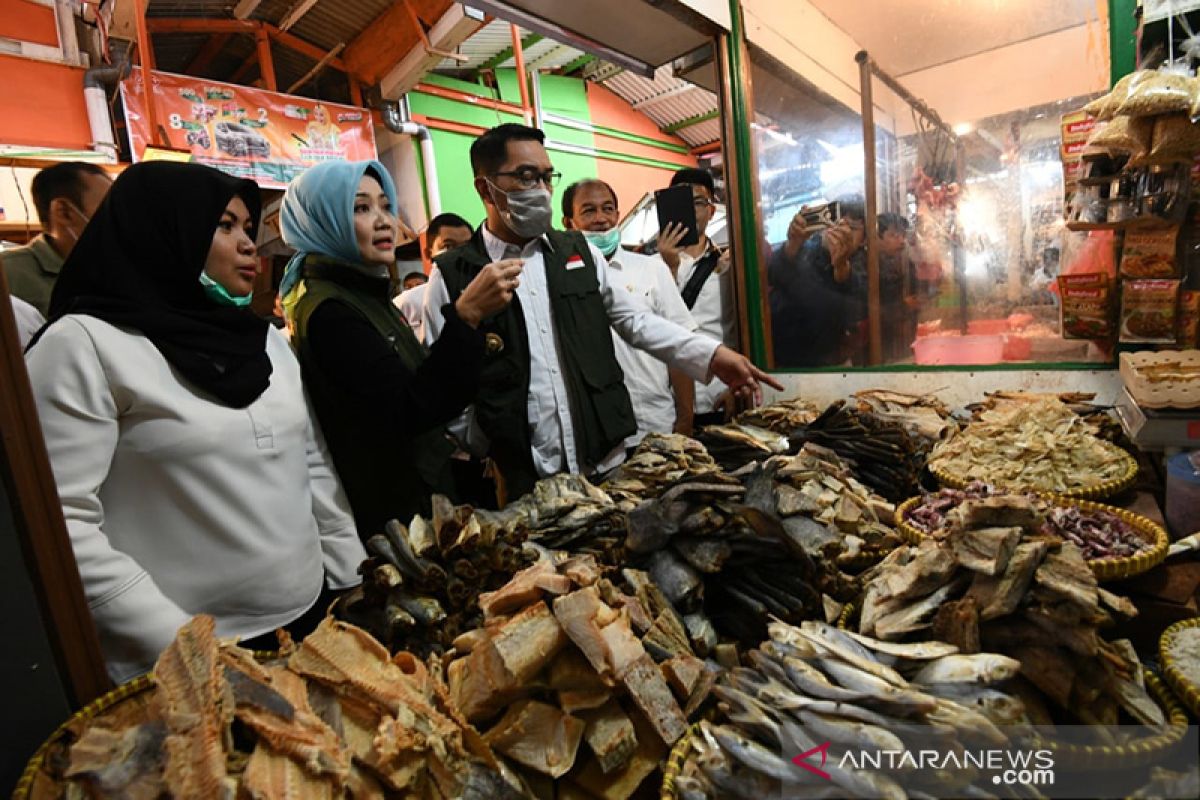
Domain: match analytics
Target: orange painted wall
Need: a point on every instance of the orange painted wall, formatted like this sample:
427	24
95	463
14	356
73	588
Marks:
41	104
630	181
28	22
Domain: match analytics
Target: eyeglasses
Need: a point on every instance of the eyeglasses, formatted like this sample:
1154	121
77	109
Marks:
701	202
530	178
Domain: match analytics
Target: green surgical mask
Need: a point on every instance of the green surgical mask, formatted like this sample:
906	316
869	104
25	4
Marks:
220	295
606	242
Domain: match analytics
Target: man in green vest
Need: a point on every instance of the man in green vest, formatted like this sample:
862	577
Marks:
552	396
65	196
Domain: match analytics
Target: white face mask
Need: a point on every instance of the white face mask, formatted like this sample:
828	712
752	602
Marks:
529	213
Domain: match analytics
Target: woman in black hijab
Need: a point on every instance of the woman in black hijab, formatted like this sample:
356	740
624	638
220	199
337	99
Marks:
192	477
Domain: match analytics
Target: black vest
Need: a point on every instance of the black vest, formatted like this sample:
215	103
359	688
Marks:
601	412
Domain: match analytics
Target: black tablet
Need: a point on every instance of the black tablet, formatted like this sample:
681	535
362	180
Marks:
675	205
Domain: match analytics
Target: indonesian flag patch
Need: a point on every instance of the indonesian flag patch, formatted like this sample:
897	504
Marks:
575	261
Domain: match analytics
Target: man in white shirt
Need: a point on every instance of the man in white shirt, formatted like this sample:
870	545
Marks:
445	232
662	396
552	396
706	285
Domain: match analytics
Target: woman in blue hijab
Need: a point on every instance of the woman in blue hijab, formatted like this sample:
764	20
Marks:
382	401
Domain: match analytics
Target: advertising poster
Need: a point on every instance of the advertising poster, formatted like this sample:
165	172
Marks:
267	137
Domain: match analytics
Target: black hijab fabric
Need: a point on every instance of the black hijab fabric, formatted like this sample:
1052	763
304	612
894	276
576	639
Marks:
138	264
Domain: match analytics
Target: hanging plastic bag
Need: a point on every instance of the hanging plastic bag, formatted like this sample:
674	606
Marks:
1105	108
1155	93
1176	139
1123	135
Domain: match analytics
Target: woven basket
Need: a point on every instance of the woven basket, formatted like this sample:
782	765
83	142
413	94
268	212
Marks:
1147	750
1105	569
1184	689
863	559
1100	491
125	705
674	763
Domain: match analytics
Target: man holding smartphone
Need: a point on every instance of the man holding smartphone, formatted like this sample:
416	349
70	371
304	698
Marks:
702	273
811	291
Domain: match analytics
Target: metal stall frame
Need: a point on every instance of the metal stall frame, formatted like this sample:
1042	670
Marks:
868	69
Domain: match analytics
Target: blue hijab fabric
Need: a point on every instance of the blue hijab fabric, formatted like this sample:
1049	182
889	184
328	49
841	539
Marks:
317	217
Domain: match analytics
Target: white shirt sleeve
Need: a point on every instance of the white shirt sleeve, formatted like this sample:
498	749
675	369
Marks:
29	320
80	422
645	330
342	551
672	305
437	294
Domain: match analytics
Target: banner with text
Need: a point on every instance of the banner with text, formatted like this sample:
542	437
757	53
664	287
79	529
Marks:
265	136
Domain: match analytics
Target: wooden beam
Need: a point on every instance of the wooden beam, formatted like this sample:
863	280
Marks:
471	99
320	65
201	25
522	75
294	42
446	35
389	37
241	72
245	8
578	63
356	98
146	59
266	63
210	50
295	13
690	121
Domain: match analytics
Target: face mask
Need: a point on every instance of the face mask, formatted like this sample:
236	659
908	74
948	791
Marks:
606	242
86	219
220	295
529	211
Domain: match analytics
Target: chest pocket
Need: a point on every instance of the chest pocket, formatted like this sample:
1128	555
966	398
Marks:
586	328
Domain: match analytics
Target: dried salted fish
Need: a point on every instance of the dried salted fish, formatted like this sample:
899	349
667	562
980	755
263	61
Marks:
782	417
1037	446
125	763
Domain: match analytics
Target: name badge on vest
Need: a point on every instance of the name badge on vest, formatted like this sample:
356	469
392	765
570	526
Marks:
575	262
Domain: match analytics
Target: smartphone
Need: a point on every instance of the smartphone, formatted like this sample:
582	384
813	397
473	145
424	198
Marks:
674	205
822	216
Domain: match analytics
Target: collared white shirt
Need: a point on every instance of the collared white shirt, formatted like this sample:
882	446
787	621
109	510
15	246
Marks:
716	318
411	302
548	405
651	284
29	320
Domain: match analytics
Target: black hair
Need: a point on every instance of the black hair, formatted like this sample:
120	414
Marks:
491	148
416	273
62	180
889	221
445	220
853	206
693	176
568	199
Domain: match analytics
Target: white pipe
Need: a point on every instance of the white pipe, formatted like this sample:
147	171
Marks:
103	141
394	120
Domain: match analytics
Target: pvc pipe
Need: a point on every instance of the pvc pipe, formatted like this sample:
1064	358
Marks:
95	97
393	120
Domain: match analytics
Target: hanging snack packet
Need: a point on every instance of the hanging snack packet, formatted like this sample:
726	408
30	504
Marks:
1149	309
1123	135
1149	254
1105	107
1155	93
1086	307
1188	328
1175	140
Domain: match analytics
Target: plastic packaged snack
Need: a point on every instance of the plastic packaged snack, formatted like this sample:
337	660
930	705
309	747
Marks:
1149	309
1175	140
1105	107
1086	308
1188	325
1123	134
1153	93
1149	254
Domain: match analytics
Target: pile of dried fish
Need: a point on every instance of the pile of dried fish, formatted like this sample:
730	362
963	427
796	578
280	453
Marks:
993	583
816	684
927	419
881	452
1097	534
422	583
569	513
717	548
823	506
782	417
735	445
1033	446
659	461
339	718
574	681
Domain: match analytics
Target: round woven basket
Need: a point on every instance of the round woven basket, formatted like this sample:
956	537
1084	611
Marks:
674	763
1107	489
1140	752
863	559
128	704
1184	689
1105	569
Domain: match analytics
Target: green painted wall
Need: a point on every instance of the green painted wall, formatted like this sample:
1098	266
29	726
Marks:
1122	38
560	95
